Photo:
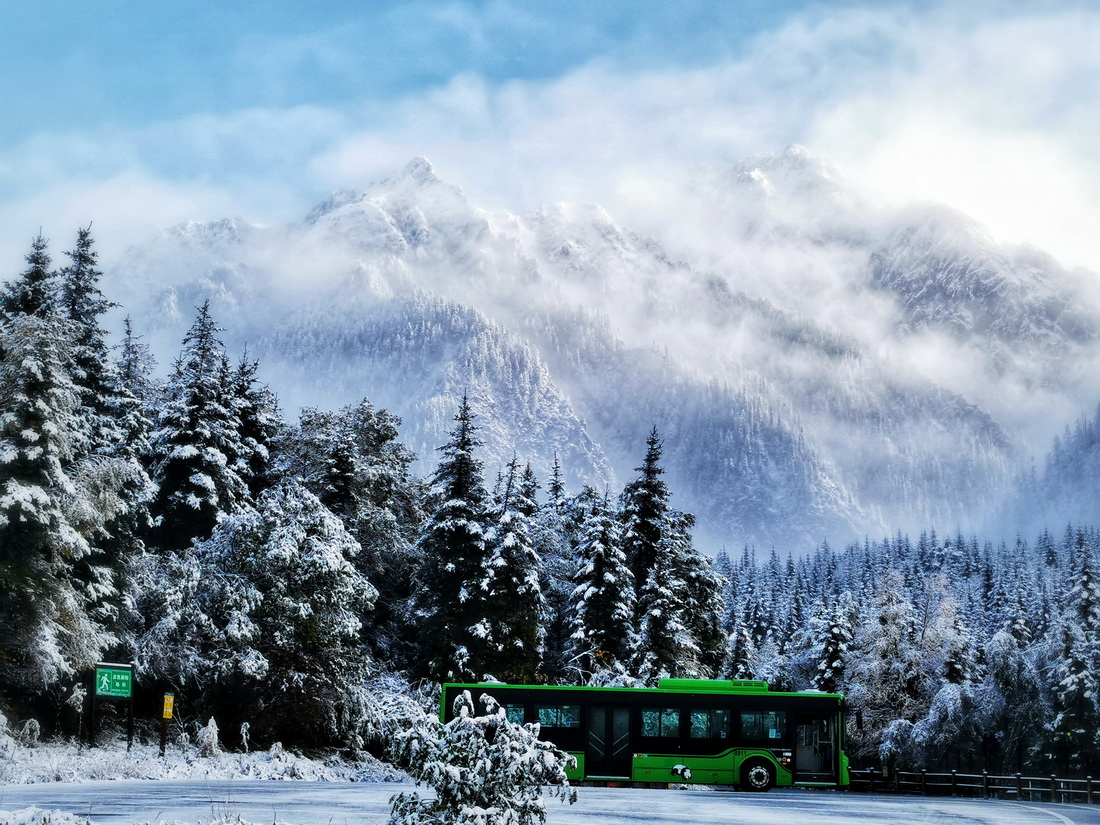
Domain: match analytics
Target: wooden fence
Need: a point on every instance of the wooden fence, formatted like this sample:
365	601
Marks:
987	785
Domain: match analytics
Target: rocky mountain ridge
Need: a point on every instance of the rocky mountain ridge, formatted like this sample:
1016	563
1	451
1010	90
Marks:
819	367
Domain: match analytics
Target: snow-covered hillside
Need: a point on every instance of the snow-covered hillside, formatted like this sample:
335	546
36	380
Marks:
819	366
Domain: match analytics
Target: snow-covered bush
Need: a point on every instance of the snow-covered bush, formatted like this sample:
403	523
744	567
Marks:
7	742
30	733
38	816
485	770
207	739
384	706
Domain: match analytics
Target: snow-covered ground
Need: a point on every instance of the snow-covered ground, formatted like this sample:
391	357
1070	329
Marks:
220	801
61	784
66	762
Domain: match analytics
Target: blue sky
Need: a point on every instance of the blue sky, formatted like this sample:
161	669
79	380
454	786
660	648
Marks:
128	62
141	114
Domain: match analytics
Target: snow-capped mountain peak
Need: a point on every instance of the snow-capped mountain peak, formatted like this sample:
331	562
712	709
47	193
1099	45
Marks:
780	345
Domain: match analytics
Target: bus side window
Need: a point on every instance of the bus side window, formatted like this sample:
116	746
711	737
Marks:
763	725
514	713
559	716
710	724
661	722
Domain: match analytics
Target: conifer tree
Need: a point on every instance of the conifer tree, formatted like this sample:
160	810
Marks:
700	597
106	467
552	534
284	599
512	603
1073	735
601	606
1013	698
740	651
483	769
352	460
81	301
885	678
196	442
833	631
664	643
45	628
452	543
259	422
35	291
643	508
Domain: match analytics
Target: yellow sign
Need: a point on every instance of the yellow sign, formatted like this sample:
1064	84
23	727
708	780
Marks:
169	701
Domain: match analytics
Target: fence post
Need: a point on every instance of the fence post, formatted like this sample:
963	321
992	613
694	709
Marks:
954	783
924	781
1088	789
871	780
1019	787
985	784
1053	788
897	780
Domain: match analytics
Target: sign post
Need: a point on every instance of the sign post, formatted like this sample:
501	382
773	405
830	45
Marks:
113	681
169	706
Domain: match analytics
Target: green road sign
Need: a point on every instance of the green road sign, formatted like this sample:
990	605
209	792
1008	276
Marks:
113	680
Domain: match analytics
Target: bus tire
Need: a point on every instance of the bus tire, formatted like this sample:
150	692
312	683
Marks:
757	775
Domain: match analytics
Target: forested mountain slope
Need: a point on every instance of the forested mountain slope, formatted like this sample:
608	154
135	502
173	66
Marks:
819	365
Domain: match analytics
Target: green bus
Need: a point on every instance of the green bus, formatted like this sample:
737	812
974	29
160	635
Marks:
733	732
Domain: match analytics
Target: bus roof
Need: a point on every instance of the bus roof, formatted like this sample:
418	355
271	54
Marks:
744	687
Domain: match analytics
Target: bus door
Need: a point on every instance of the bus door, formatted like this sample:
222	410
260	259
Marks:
607	752
815	748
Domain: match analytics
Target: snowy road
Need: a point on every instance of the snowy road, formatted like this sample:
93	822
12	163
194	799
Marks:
338	803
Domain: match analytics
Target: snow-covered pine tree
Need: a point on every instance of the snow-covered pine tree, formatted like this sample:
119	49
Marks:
134	390
601	606
172	637
512	601
1012	698
46	631
352	461
452	542
196	441
484	770
832	633
107	469
259	422
643	507
1073	735
665	646
285	599
134	374
885	673
700	597
551	537
34	292
81	301
740	652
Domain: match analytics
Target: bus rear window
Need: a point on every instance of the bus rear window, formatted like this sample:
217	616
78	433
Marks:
560	716
763	725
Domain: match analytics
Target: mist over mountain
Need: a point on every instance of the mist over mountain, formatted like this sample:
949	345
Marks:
820	366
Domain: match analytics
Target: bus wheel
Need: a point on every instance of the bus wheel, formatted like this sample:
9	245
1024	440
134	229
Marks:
757	775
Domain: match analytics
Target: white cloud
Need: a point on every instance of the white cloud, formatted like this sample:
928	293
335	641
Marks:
993	115
993	119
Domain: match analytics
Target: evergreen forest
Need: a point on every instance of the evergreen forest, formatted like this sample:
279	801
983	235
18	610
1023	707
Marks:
295	578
